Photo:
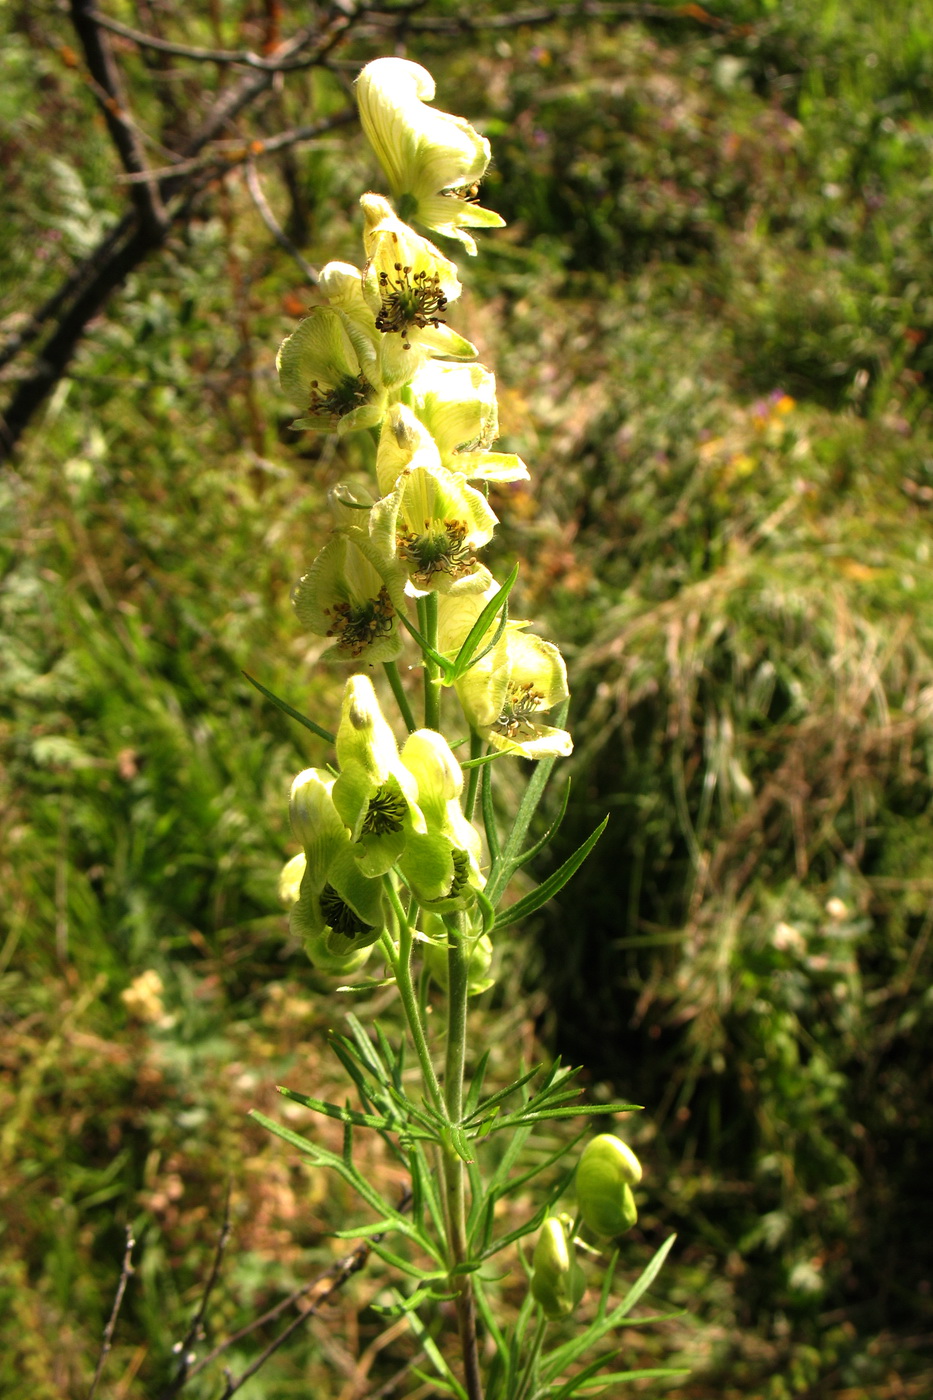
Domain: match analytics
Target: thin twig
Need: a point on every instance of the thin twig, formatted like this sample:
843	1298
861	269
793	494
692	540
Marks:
272	223
319	1289
244	58
224	155
464	22
337	1276
196	1330
126	1272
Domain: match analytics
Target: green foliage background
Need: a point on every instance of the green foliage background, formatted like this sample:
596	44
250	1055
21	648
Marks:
710	317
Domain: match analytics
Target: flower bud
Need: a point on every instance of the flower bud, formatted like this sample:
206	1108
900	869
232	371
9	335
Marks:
557	1281
480	958
606	1173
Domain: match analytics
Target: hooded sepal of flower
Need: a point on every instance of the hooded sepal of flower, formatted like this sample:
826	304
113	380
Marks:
353	593
480	953
431	524
433	161
458	406
505	692
376	795
408	284
338	913
442	867
327	367
557	1281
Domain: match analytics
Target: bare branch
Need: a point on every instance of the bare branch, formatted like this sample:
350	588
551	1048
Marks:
126	1272
224	155
110	95
69	288
272	223
230	57
196	1330
86	291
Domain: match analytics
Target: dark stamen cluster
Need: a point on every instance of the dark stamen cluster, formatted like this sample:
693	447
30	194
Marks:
334	403
386	812
409	301
461	872
358	625
521	703
338	914
441	549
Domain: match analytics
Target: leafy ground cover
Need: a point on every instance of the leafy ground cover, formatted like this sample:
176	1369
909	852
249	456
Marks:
714	306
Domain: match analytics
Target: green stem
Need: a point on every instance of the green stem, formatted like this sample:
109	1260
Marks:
454	1172
476	748
401	699
432	683
401	967
533	1354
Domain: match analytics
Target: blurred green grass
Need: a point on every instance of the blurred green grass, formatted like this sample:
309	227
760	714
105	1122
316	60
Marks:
710	318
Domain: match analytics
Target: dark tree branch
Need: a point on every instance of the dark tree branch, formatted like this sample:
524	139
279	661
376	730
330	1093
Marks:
87	289
106	75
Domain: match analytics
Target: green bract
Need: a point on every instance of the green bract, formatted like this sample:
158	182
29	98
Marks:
557	1281
339	913
375	794
432	160
435	957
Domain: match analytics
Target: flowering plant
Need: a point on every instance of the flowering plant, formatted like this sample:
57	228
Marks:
392	868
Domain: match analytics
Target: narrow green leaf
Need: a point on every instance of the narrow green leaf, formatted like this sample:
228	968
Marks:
367	986
545	891
599	1383
465	657
426	649
501	1094
549	834
362	1232
489	817
514	1120
397	1262
426	1341
642	1283
333	1110
487	911
568	1388
476	1086
292	714
503	866
483	759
